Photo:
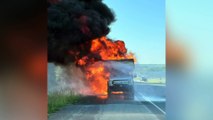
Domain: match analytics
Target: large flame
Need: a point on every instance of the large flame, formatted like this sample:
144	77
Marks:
97	75
110	50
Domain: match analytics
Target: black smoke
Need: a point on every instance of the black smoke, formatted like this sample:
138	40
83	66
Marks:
72	24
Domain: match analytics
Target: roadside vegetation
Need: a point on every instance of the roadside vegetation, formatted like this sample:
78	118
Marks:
58	100
156	81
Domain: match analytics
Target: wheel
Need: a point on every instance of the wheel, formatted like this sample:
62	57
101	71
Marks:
109	92
131	93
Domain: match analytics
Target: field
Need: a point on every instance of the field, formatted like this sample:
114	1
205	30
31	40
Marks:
150	73
57	100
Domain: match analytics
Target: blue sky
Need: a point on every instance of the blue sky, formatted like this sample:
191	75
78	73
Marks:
141	25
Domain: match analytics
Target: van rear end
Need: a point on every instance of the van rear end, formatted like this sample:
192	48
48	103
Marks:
121	76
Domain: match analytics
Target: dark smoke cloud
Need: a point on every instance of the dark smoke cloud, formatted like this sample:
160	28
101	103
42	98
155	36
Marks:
72	24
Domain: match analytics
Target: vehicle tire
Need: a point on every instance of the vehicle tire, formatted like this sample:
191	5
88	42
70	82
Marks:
109	92
131	93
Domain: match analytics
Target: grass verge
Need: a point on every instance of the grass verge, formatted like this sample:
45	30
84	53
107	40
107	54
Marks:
58	100
157	81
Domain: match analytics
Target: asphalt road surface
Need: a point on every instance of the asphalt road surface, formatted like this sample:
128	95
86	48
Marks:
116	107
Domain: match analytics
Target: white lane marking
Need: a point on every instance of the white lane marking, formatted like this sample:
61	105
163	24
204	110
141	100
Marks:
147	109
152	103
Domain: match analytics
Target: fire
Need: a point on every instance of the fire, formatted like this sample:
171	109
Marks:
110	50
97	75
118	92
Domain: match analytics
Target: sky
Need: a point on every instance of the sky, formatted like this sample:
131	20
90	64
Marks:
141	25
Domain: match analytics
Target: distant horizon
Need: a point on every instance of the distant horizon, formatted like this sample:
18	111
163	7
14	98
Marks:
150	64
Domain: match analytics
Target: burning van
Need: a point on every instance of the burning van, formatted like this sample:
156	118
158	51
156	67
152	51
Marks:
121	76
80	39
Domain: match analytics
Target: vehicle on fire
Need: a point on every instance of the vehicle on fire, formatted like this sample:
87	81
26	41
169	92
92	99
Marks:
121	76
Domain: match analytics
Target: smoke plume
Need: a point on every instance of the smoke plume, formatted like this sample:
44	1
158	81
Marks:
67	79
72	24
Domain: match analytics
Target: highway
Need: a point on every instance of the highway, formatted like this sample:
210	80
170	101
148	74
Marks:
118	107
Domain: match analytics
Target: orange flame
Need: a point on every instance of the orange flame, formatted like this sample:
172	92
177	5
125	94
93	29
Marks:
117	92
97	75
110	50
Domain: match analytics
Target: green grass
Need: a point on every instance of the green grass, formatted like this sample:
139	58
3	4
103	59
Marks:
156	81
59	100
